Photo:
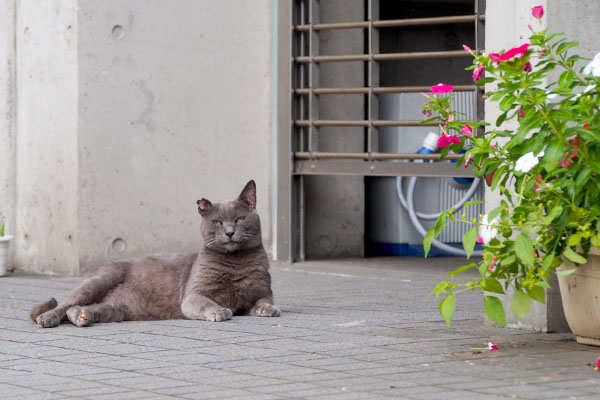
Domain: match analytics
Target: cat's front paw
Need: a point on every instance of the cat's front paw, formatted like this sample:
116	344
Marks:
49	319
218	314
267	310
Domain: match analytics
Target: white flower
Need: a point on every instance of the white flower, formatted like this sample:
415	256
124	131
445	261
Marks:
593	68
487	230
528	161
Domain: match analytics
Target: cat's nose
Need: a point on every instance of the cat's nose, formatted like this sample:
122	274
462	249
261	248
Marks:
229	233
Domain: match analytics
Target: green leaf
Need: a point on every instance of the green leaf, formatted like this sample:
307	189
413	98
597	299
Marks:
462	269
575	239
495	212
493	308
565	272
469	240
508	260
566	78
547	262
524	249
555	212
566	45
543	284
582	177
520	304
572	256
492	285
439	288
435	231
552	155
537	292
447	308
507	102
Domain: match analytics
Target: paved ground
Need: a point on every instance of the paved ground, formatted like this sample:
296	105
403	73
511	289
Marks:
350	330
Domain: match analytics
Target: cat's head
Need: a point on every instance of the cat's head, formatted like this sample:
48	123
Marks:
231	225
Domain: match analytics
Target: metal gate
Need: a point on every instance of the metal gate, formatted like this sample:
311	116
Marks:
300	90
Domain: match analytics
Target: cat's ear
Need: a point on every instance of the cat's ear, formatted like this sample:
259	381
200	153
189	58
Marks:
248	195
204	206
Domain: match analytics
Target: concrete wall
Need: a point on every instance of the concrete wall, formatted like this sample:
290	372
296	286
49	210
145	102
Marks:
127	113
335	205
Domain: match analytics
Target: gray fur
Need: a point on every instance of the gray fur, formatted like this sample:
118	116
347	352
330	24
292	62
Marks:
229	276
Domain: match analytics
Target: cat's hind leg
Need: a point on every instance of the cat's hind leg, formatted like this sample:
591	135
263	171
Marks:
103	312
92	289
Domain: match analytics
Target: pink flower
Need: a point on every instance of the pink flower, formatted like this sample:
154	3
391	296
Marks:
480	239
467	130
492	346
477	72
527	67
597	364
567	159
467	48
492	267
521	113
446	140
537	12
468	161
441	88
495	57
494	260
521	50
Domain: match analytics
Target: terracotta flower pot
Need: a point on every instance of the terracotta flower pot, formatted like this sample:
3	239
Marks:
580	293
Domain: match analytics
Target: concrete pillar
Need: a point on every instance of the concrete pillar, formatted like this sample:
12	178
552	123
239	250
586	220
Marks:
7	121
335	204
127	113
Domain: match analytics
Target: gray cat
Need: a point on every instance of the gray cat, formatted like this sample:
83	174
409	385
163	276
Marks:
229	276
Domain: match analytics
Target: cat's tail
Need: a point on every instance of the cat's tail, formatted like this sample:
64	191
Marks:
42	308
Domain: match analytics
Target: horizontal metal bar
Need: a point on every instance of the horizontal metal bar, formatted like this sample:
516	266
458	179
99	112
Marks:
379	168
383	56
378	123
392	23
379	90
373	156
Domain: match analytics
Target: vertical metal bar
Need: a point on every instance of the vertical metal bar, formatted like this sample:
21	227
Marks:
310	75
284	241
479	44
301	102
370	80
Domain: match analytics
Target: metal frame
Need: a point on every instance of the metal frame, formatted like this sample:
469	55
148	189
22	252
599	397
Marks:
298	99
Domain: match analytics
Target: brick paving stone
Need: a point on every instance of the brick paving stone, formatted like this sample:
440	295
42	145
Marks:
349	329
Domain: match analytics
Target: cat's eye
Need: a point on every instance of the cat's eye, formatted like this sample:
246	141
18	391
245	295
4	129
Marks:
217	222
240	219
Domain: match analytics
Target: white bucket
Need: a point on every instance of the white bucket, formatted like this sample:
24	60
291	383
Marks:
4	243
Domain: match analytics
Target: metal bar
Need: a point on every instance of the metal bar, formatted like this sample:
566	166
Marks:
374	156
393	23
382	56
378	168
376	123
378	90
310	75
479	44
370	79
284	204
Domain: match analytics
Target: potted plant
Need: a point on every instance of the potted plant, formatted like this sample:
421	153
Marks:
4	244
543	156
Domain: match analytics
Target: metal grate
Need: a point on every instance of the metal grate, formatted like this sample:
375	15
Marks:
305	92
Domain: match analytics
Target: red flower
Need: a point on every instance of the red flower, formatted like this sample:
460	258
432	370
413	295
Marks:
492	346
521	50
537	12
446	140
441	88
527	67
477	72
522	113
567	159
597	364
